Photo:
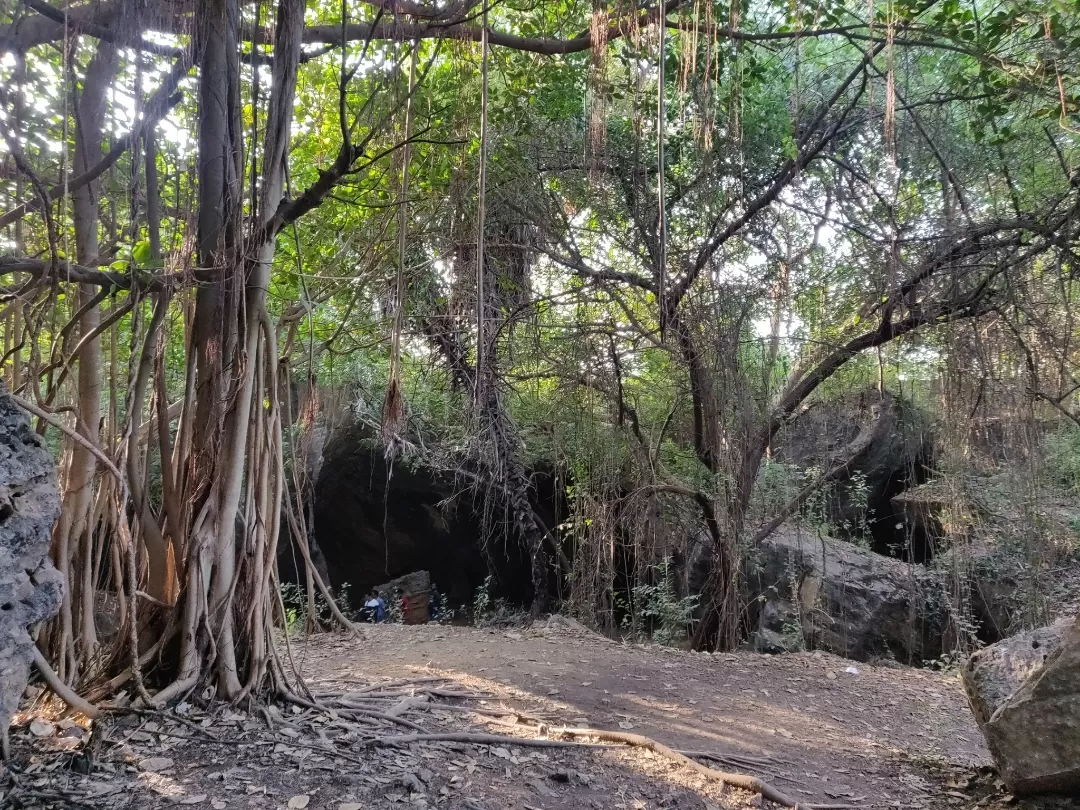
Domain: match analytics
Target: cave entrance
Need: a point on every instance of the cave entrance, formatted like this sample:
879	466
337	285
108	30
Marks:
904	525
374	522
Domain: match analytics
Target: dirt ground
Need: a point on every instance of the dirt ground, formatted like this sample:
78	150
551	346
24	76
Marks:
823	730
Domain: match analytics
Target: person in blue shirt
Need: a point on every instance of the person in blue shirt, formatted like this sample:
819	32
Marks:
380	614
435	604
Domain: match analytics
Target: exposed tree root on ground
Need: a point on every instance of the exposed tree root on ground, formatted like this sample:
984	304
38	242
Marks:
422	698
61	689
739	780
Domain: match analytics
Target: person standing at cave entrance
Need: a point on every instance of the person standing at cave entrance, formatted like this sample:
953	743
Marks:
435	605
403	603
380	615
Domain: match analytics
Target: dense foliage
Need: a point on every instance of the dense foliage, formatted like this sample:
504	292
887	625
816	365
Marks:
506	233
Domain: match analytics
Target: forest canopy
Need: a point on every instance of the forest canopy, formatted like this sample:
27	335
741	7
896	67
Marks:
632	240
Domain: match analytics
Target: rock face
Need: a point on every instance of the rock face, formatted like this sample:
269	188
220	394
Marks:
416	587
374	524
30	588
1025	694
994	673
900	450
827	594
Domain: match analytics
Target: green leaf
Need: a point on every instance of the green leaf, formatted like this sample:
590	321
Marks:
141	252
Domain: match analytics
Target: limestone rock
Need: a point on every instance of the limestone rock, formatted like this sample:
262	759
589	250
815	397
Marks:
993	674
416	587
1034	732
901	448
846	600
30	588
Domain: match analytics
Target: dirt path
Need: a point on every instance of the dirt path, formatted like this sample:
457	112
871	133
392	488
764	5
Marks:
835	736
804	723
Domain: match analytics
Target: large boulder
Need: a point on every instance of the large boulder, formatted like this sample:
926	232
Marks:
994	673
416	587
1025	694
816	592
31	589
896	458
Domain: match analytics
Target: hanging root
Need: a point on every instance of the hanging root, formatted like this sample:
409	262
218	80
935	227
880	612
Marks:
597	128
393	415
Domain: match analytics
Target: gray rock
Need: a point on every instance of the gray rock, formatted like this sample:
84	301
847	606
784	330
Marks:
847	600
993	674
779	629
31	589
1034	732
416	586
901	444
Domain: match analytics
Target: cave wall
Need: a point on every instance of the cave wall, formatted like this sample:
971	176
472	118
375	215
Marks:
374	522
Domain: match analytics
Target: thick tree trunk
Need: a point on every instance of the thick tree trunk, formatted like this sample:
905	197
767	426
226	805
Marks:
234	477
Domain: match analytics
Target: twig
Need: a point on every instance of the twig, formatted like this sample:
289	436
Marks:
519	717
476	739
23	796
445	693
163	715
401	721
731	759
374	687
322	749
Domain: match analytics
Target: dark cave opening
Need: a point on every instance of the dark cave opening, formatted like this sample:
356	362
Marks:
898	533
374	522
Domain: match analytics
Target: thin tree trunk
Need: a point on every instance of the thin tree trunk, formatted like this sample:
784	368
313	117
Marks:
73	536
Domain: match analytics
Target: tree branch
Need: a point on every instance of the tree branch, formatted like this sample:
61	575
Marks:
163	100
91	275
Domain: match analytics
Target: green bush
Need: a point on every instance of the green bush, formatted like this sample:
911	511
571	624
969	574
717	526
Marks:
671	617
